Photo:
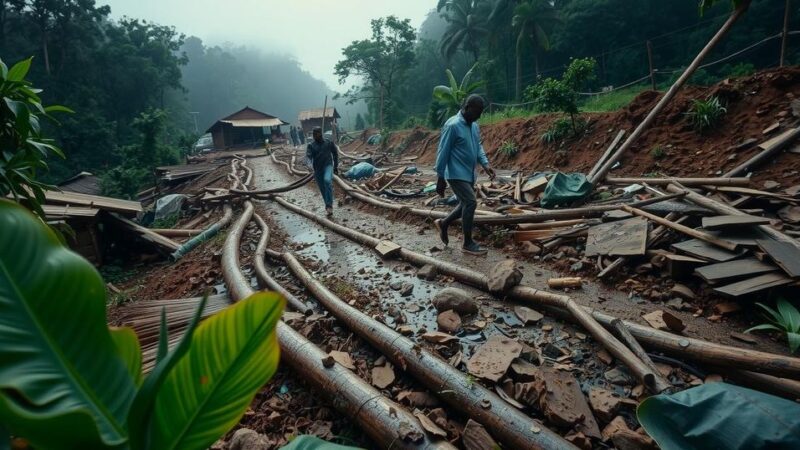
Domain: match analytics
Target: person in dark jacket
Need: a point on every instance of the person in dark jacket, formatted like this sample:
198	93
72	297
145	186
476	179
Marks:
301	138
293	136
323	157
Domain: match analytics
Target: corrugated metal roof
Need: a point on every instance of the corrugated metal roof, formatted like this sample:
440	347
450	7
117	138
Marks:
274	122
248	117
82	183
93	201
316	113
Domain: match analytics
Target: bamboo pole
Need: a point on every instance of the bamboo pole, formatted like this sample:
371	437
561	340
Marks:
507	424
765	154
176	232
660	384
721	181
608	151
680	346
785	33
673	90
722	243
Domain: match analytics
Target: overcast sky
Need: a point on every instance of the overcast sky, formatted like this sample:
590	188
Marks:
314	31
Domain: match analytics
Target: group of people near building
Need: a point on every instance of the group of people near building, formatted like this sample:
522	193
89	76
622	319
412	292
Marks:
297	136
459	153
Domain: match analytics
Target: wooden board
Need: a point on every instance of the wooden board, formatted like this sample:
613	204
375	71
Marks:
621	238
731	221
703	250
534	186
680	266
731	270
746	237
785	254
387	249
752	285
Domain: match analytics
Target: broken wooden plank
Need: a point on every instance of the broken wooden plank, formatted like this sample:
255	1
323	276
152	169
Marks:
731	270
770	148
732	221
745	237
755	193
719	181
752	285
785	254
700	249
535	185
621	238
680	266
387	249
697	234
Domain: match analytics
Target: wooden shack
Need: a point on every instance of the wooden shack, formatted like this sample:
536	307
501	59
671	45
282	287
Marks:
311	118
244	128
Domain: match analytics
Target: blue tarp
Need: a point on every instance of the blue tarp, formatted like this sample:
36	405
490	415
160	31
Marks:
361	170
565	189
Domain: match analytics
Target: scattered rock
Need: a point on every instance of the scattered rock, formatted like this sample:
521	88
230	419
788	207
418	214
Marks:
563	404
409	432
382	376
677	304
605	357
528	248
614	427
744	338
492	359
526	393
405	330
475	437
449	321
343	358
527	315
771	185
626	439
579	440
619	377
456	299
662	320
523	370
428	272
604	403
553	351
247	439
396	285
439	338
682	291
328	361
503	276
406	289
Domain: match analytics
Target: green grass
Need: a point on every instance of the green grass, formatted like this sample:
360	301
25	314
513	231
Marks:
511	113
613	101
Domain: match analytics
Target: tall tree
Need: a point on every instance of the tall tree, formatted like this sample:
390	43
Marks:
382	60
468	26
530	17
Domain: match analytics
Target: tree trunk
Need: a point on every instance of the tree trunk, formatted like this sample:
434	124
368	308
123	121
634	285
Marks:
45	52
536	63
381	109
518	77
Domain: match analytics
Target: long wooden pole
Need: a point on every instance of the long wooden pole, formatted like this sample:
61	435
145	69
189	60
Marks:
650	64
727	245
785	33
673	90
608	152
720	181
660	383
759	158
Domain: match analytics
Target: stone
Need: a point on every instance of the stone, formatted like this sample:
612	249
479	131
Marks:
682	291
619	377
456	299
604	403
492	359
626	439
662	320
579	440
552	351
563	404
676	304
406	289
449	321
528	248
771	185
396	285
428	272
504	276
614	427
527	315
247	439
526	393
523	370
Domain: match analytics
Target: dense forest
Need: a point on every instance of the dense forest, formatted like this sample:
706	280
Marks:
514	43
133	86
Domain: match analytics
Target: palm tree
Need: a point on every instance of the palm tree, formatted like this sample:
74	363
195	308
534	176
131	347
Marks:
529	19
467	26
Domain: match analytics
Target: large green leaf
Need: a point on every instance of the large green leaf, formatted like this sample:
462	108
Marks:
232	355
129	350
789	315
19	70
62	384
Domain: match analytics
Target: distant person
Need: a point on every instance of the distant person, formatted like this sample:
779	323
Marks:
301	137
293	135
459	151
323	156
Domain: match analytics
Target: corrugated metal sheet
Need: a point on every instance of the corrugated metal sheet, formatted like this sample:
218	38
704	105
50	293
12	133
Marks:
247	117
240	123
82	183
126	207
316	113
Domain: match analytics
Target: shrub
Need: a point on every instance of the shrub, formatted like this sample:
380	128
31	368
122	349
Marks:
785	320
509	148
561	129
550	95
706	114
658	152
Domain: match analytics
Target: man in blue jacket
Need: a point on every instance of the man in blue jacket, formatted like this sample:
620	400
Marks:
459	151
323	156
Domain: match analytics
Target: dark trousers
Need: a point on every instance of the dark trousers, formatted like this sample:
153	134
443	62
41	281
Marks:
465	210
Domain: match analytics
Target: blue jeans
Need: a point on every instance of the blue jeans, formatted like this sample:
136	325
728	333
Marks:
324	179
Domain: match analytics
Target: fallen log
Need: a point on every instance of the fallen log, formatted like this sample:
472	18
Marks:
507	424
680	346
208	233
660	384
721	181
722	243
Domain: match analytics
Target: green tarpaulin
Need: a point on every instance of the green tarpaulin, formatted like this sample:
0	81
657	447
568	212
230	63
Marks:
565	189
721	416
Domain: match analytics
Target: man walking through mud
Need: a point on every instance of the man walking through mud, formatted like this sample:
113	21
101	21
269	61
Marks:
459	151
323	157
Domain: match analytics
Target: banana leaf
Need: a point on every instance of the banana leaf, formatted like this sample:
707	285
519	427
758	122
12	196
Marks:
721	416
62	381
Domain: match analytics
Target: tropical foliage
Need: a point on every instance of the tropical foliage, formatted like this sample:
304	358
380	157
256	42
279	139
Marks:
550	94
706	114
23	147
83	385
449	99
785	320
